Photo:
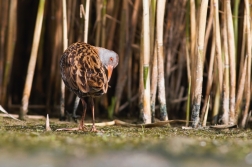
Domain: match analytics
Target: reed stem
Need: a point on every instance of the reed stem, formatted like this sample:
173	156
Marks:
33	59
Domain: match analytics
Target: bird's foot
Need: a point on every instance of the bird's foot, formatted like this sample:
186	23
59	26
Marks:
93	129
83	128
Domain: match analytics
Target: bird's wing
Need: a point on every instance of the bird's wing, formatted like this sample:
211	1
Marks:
94	72
69	69
83	71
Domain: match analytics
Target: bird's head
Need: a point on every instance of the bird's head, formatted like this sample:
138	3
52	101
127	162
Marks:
109	60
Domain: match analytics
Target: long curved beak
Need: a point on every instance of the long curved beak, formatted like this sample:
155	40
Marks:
110	70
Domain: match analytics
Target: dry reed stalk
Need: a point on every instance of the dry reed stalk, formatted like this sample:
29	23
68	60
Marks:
225	100
188	103
154	76
248	79
206	113
121	80
141	82
175	50
231	52
122	57
193	27
180	98
65	44
72	6
210	67
170	32
128	53
132	33
135	69
146	117
226	86
218	40
7	114
47	124
154	68
240	90
103	29
86	21
4	6
250	2
167	41
160	59
235	21
209	28
56	28
177	80
216	105
32	62
188	63
216	50
109	14
11	41
98	23
129	82
199	65
243	48
65	39
209	79
153	6
113	25
193	31
69	5
219	55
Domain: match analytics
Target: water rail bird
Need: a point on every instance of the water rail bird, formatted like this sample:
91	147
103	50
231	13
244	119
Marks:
83	70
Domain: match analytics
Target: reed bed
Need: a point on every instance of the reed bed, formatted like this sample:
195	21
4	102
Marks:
184	59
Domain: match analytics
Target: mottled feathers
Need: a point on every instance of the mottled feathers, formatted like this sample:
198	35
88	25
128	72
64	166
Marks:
82	70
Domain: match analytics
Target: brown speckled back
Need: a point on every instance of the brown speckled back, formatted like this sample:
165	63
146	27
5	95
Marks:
82	70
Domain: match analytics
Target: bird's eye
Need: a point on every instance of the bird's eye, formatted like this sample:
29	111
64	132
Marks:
111	59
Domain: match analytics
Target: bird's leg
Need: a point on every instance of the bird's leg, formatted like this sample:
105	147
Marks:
93	129
84	105
81	126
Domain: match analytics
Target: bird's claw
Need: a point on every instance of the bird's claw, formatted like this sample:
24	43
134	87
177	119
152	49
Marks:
83	128
93	129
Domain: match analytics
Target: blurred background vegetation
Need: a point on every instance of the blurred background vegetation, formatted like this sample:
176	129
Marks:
118	25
